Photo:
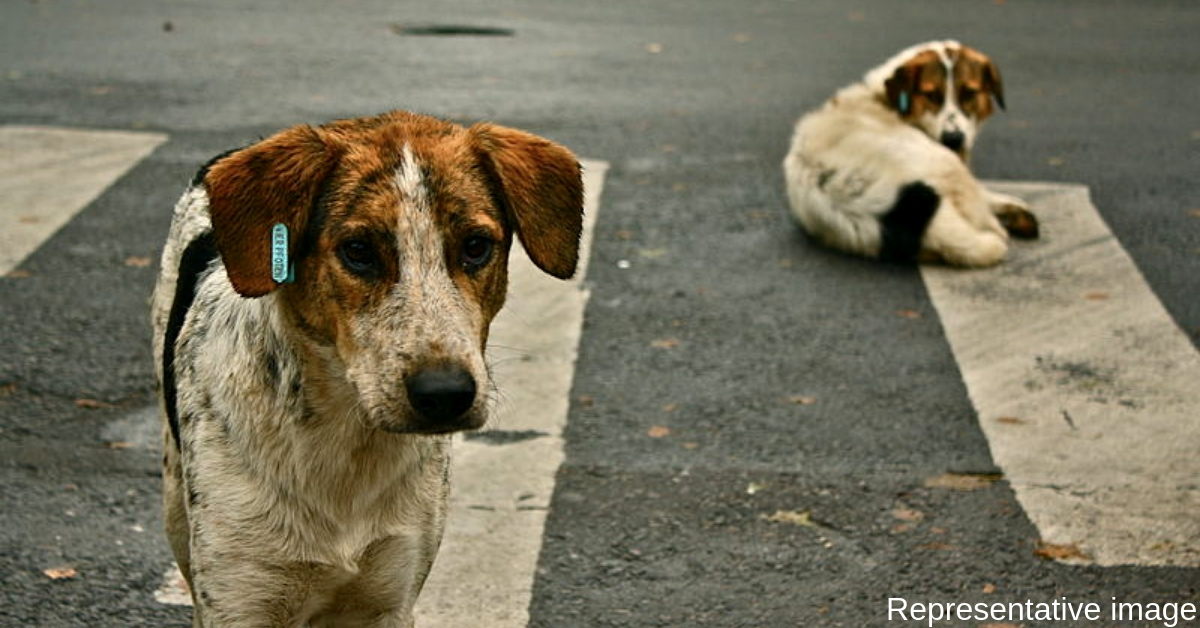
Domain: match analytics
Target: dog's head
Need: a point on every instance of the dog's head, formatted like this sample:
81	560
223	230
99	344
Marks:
400	227
943	88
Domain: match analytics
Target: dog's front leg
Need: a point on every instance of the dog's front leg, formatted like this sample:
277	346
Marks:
237	576
232	592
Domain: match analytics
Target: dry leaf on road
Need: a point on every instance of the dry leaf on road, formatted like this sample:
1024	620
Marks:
60	573
908	514
1054	551
963	481
658	431
665	343
793	517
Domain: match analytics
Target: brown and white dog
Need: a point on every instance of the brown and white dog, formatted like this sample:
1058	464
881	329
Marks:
881	169
319	329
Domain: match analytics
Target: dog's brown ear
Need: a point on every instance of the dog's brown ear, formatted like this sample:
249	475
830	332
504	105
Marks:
541	186
901	87
251	190
992	83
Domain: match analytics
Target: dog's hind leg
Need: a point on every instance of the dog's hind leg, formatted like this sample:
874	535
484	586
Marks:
902	227
955	241
175	516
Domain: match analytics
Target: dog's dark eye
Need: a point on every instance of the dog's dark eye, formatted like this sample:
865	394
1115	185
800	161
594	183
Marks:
966	93
359	257
477	251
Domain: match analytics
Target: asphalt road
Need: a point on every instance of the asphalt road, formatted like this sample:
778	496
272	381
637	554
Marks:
807	397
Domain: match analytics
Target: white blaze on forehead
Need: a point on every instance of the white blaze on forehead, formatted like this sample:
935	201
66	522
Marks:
426	307
876	77
408	178
950	101
418	238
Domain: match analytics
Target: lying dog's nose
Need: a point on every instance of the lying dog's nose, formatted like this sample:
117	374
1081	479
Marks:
441	394
953	140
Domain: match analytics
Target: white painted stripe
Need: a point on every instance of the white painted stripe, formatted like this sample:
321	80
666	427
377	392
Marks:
501	492
1087	390
48	174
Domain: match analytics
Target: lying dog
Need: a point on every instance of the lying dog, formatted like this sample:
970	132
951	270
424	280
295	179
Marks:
319	329
881	169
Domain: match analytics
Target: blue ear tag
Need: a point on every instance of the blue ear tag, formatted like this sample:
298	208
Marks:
282	270
902	102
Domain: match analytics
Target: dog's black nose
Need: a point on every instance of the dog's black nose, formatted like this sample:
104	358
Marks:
441	394
954	140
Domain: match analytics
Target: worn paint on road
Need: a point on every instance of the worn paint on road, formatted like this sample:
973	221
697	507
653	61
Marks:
47	175
1086	388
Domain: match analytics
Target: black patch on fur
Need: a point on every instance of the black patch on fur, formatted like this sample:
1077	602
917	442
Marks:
270	367
194	261
198	179
824	177
904	224
193	497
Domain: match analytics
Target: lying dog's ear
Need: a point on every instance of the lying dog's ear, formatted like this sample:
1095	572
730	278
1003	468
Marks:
901	86
540	184
992	83
251	190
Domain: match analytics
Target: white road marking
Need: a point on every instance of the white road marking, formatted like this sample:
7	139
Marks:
501	493
47	175
1087	390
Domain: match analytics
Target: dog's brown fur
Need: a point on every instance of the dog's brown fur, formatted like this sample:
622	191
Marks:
305	465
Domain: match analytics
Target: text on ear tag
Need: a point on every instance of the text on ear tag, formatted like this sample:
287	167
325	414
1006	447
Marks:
281	267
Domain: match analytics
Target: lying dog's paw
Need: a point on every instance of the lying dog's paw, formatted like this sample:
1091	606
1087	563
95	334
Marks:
1014	215
1019	222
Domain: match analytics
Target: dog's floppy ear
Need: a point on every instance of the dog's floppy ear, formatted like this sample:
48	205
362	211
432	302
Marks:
992	83
540	185
251	190
901	86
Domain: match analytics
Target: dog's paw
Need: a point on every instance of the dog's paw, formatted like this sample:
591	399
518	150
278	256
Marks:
1014	215
1019	222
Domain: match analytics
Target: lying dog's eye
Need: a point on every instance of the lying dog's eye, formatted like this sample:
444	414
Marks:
358	256
477	251
966	93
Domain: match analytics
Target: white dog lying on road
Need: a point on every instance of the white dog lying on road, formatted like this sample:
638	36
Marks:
881	169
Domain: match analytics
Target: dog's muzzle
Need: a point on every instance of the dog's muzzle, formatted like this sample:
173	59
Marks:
442	398
954	140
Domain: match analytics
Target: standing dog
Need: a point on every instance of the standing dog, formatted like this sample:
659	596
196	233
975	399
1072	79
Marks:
320	324
881	169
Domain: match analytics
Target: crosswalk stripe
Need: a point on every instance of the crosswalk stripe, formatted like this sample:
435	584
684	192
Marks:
1086	388
48	174
503	479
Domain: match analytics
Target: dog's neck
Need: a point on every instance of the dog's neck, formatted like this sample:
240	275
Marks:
340	469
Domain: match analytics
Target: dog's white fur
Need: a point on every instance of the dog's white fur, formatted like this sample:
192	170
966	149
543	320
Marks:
305	487
850	159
